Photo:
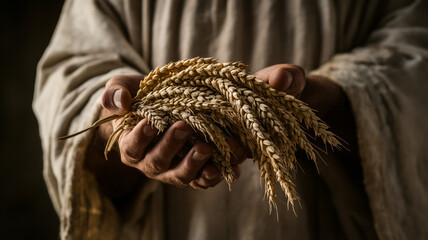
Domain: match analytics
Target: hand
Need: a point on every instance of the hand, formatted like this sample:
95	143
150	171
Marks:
157	159
320	93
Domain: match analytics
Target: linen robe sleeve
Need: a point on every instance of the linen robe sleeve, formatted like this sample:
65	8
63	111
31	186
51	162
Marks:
93	41
386	81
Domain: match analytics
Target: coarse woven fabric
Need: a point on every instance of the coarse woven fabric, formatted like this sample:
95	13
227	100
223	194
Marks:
376	50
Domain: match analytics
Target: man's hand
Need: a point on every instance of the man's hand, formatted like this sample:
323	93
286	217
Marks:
320	93
157	158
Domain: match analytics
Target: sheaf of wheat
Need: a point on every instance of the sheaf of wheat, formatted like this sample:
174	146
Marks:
219	99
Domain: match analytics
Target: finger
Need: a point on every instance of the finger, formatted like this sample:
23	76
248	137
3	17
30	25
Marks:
239	153
210	176
119	92
158	159
284	77
297	83
196	186
203	183
280	78
130	82
263	74
187	170
132	144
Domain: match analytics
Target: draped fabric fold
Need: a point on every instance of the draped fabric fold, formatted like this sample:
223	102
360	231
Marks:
376	50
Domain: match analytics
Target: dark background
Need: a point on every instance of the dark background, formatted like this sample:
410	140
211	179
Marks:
26	211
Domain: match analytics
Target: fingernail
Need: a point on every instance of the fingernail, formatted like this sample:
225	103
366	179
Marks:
117	98
199	156
149	131
180	134
211	176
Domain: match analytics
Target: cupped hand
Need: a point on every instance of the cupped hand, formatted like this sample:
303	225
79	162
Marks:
156	157
320	93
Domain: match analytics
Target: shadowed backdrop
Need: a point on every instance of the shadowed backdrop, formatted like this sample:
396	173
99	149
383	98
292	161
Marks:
26	211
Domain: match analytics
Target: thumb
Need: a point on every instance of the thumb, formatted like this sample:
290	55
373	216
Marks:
117	99
289	78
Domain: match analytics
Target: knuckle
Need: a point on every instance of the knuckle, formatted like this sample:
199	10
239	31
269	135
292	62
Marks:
130	157
203	147
155	164
197	186
129	162
149	173
179	182
115	80
205	183
182	180
192	165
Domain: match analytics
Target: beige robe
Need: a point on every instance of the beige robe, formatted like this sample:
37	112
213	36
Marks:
376	50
